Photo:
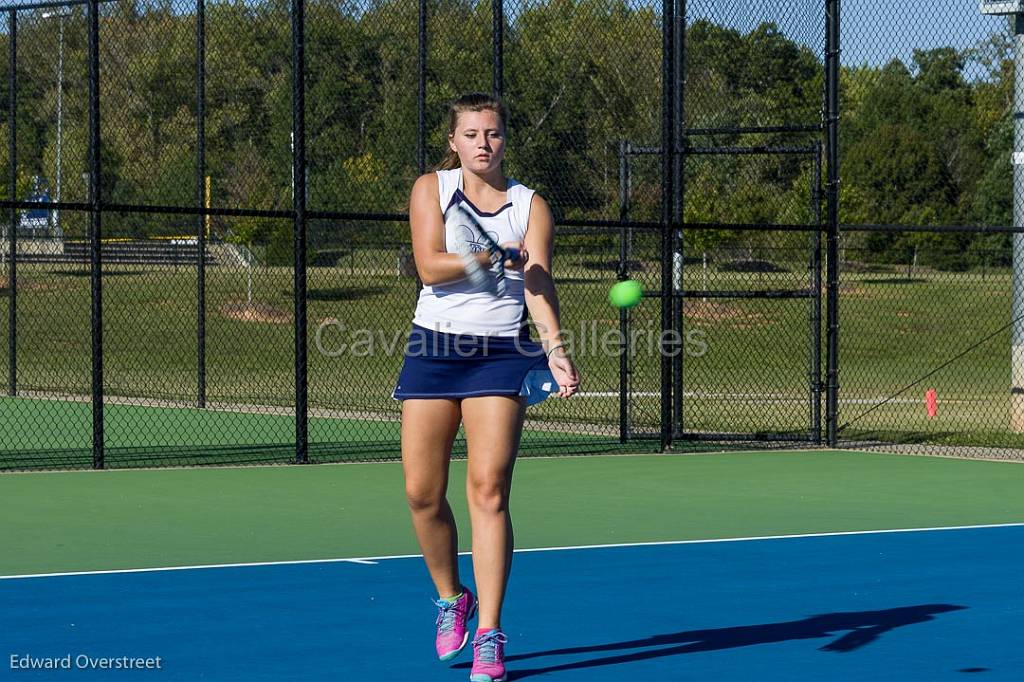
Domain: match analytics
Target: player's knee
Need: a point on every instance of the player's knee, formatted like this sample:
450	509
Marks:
488	494
423	498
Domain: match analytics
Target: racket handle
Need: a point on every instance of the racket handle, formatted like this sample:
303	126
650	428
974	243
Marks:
512	254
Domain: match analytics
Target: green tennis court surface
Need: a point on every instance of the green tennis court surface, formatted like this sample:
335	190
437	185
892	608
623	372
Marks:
149	434
81	521
848	566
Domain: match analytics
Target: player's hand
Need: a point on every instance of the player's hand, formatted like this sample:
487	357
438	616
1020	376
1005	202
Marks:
519	263
562	367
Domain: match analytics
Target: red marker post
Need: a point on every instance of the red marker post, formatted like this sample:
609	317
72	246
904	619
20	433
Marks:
931	403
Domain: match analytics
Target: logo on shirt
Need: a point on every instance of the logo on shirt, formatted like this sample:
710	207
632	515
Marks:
473	242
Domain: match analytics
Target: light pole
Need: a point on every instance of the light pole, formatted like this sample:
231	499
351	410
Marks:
60	107
1015	10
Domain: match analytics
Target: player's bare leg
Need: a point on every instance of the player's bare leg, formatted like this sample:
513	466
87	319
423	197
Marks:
428	431
493	428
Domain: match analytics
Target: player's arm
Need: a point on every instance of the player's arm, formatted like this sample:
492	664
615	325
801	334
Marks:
433	262
541	297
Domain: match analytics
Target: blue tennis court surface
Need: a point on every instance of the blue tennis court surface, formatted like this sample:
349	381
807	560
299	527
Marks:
922	605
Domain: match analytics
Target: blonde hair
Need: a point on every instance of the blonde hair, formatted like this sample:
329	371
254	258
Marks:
473	101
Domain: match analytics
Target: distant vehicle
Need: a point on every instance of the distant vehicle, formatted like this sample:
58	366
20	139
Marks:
38	222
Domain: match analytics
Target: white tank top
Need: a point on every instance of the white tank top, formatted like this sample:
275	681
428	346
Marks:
459	307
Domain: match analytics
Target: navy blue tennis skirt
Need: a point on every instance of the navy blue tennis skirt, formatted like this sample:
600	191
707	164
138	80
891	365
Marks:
442	365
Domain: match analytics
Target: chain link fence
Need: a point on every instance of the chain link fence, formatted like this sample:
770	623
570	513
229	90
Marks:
251	184
927	209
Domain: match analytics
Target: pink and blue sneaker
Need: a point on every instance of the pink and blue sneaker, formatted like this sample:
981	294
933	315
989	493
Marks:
488	656
452	617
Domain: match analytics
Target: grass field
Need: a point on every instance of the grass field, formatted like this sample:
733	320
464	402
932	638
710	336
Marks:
746	369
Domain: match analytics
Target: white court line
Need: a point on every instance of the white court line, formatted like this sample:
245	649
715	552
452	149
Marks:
770	398
374	560
201	566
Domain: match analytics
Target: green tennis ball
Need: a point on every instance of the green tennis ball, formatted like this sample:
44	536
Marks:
625	294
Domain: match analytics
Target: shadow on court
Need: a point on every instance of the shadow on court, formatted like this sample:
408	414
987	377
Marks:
863	628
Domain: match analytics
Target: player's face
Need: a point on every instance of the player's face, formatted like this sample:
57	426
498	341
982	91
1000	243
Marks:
479	140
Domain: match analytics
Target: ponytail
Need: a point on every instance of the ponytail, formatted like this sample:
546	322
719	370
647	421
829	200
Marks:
450	160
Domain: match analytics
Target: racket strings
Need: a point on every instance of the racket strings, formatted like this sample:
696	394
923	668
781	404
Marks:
497	255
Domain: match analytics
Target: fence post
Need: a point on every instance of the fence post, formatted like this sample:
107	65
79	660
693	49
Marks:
421	93
667	200
95	233
1017	276
421	125
12	236
678	177
201	219
498	29
832	262
299	206
815	266
622	274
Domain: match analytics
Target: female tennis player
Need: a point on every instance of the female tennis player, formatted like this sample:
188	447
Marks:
470	358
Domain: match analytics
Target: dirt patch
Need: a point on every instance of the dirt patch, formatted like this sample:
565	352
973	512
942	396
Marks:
853	290
24	284
847	288
716	311
255	312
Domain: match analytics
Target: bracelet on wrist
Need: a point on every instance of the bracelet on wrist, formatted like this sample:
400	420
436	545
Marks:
554	348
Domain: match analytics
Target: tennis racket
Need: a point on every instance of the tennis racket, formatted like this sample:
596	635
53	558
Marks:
493	279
